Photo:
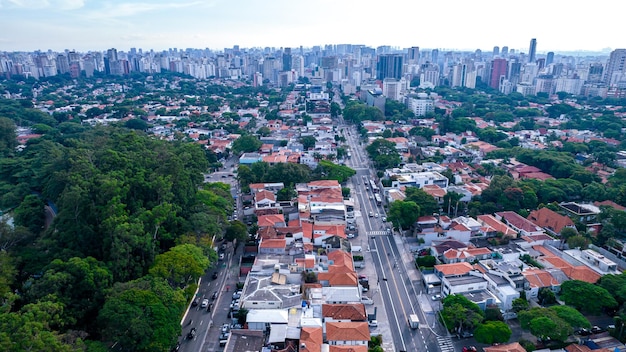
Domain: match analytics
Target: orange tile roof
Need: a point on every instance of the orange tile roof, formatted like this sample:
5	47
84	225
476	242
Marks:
510	347
539	278
353	312
324	183
550	219
311	339
454	268
341	276
342	261
273	243
264	194
347	348
348	331
496	224
270	220
434	190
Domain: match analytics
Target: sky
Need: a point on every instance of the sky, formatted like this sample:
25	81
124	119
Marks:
82	25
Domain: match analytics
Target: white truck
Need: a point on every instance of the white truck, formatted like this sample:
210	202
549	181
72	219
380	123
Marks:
414	321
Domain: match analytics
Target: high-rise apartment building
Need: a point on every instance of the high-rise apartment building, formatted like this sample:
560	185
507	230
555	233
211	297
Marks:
498	72
496	50
389	66
505	51
615	66
413	56
532	50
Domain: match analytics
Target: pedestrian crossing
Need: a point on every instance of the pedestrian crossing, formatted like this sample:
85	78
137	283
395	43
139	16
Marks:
377	233
445	344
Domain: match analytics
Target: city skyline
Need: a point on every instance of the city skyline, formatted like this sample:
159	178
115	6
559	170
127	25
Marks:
27	25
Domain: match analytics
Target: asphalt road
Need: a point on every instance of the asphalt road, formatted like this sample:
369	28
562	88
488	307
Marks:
399	294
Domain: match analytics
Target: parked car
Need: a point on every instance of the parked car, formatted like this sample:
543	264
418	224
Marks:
205	303
436	297
237	295
371	214
372	323
350	235
215	274
191	334
225	328
221	256
596	329
469	349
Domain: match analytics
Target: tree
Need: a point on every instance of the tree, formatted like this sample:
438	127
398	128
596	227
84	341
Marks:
308	142
546	296
427	203
491	332
345	192
30	214
519	304
327	170
237	230
578	241
136	124
79	284
427	261
181	265
544	323
142	315
586	297
8	137
246	144
571	316
460	314
264	131
286	194
403	213
616	285
384	153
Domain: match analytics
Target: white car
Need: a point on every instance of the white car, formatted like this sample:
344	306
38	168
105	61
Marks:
350	235
372	323
205	303
376	215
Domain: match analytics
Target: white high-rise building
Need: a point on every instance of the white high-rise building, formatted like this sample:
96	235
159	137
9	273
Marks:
392	88
615	67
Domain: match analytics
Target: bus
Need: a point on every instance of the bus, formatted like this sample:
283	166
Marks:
374	187
379	201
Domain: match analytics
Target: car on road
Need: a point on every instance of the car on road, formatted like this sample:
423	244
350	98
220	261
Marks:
191	334
469	349
214	296
371	214
583	332
596	329
195	302
376	215
372	323
237	295
436	297
214	276
371	197
221	256
205	303
384	219
225	328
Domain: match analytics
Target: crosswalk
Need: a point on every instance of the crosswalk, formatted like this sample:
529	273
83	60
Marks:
377	233
445	344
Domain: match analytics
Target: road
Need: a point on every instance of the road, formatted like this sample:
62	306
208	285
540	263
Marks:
397	280
207	323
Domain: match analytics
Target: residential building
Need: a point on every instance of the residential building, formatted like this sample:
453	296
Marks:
518	223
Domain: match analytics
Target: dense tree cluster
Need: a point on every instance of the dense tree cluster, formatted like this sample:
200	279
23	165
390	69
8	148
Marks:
113	228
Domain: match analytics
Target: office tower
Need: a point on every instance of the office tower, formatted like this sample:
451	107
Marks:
389	66
532	51
496	50
434	56
595	72
615	66
414	55
515	68
478	54
287	59
549	58
505	51
498	72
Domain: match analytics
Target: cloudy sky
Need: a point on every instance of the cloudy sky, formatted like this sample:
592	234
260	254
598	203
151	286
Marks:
82	25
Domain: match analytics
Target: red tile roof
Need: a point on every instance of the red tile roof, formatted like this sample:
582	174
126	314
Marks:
353	312
348	331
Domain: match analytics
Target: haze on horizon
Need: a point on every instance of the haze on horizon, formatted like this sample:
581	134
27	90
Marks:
27	25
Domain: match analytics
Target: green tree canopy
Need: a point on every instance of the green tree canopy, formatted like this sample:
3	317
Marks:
403	213
586	297
428	205
383	153
237	230
491	332
308	142
246	144
330	171
181	265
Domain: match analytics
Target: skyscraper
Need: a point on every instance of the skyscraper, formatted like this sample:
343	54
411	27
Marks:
498	70
549	58
287	59
389	66
505	51
615	66
496	50
532	51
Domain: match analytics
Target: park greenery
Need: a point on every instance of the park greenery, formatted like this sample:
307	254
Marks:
112	230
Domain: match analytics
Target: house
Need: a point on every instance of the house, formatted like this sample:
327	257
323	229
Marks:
537	279
466	255
518	223
347	333
495	226
273	246
585	213
550	220
453	269
258	318
264	199
344	312
472	282
311	339
510	347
